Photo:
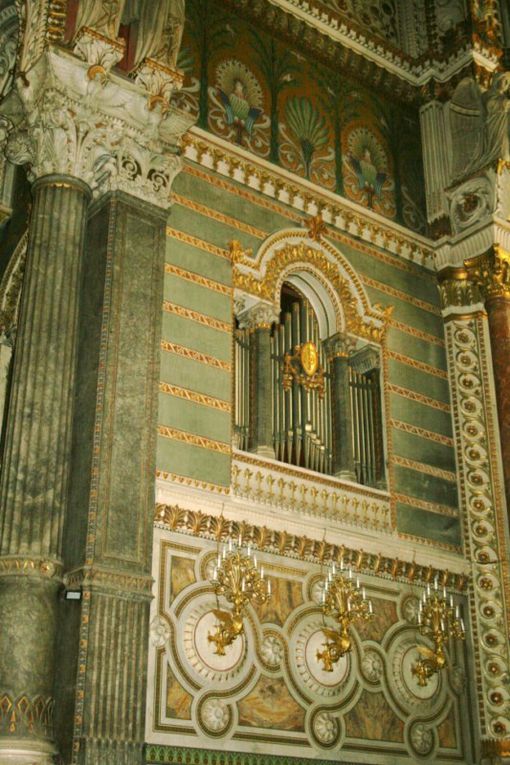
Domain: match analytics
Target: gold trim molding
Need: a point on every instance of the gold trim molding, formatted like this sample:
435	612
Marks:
200	318
195	397
192	355
218	528
193	440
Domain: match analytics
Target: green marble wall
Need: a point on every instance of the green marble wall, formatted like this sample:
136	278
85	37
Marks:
212	213
195	432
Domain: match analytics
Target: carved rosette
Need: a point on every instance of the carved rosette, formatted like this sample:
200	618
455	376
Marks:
477	456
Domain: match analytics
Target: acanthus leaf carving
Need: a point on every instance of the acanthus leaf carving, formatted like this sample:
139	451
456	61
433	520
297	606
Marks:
67	124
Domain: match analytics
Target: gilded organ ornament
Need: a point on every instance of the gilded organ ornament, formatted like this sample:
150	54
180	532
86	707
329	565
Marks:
303	367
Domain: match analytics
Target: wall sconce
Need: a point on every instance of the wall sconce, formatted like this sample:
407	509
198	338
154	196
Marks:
345	601
240	580
440	621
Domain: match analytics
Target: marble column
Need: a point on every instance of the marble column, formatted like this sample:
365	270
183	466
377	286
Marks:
339	349
35	470
491	272
108	538
259	319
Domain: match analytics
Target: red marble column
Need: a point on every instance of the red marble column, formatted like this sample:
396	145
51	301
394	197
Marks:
498	313
490	272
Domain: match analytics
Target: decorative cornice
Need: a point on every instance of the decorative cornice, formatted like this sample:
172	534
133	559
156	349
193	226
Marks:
259	175
220	528
96	577
491	273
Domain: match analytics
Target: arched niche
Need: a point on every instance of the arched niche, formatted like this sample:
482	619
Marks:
318	270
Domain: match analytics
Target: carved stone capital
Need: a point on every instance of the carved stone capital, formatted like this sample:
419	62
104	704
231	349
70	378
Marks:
491	272
160	81
339	346
366	360
98	51
258	316
456	289
101	131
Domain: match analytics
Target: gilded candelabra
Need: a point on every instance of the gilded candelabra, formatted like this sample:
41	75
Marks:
241	581
439	620
345	601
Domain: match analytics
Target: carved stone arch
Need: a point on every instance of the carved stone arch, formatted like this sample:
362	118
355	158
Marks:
292	255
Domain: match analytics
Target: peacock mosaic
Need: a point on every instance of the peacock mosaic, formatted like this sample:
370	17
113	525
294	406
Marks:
251	89
269	687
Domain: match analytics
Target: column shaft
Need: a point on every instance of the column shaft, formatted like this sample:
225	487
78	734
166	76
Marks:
498	313
343	458
261	394
36	464
109	537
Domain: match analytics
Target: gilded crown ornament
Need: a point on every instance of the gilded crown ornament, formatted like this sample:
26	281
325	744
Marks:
240	580
440	621
346	602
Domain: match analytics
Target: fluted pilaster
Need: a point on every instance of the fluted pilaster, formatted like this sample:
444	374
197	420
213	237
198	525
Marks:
36	462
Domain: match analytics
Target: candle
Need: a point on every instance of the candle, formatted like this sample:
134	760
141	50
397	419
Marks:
370	607
262	572
269	587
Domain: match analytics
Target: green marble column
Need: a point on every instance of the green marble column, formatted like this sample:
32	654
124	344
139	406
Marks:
35	467
259	319
343	459
108	538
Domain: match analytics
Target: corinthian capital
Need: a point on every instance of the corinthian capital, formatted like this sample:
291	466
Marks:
258	316
491	272
103	133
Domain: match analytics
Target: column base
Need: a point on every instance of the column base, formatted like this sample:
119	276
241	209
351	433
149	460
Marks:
346	475
265	451
25	752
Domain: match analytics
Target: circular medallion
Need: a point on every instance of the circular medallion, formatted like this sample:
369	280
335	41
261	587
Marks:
205	649
309	358
314	646
198	653
402	657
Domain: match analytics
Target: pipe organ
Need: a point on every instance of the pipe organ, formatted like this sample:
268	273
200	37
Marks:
299	385
301	419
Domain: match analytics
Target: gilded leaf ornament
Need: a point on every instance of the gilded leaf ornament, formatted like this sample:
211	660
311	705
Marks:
263	278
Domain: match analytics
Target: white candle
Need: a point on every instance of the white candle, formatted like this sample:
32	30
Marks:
370	607
269	587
